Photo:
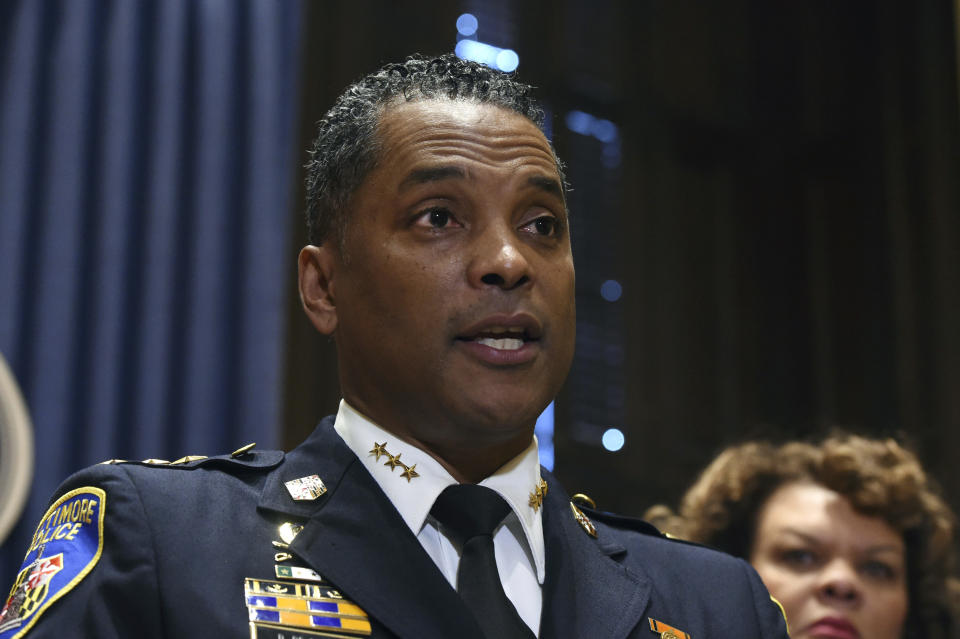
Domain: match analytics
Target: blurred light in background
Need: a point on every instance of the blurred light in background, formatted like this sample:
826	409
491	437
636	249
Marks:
602	130
503	59
467	24
613	439
611	290
469	48
544	432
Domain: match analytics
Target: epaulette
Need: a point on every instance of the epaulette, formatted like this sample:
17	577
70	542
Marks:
621	521
244	457
587	506
636	524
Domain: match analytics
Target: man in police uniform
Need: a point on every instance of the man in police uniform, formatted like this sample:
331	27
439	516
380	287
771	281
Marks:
440	261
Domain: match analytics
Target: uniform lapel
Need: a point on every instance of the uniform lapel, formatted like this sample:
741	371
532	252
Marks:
586	592
356	539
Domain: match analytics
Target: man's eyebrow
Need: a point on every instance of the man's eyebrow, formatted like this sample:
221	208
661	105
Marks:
548	184
431	174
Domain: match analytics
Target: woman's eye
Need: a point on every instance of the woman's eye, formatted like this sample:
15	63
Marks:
798	557
878	570
546	226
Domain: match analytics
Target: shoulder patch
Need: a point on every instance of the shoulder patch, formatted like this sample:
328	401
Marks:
65	548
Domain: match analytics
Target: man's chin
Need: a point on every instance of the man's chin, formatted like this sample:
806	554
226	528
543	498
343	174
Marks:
499	419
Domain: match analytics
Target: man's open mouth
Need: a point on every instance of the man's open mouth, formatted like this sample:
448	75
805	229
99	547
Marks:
502	338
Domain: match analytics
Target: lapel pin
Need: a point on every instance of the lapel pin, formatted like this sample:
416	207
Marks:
584	522
536	497
666	631
297	572
305	488
289	530
409	472
282	556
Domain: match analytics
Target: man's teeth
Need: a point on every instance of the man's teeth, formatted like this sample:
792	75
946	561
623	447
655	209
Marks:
505	344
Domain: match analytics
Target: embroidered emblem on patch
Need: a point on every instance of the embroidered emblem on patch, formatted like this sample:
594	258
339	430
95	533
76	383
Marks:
65	548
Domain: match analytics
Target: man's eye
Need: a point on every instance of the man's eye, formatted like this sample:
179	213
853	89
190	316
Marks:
436	218
546	226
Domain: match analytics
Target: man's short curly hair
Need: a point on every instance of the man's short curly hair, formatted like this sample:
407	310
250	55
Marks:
880	478
346	147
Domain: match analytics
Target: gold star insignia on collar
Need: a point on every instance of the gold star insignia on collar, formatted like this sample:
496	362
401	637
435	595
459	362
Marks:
409	472
378	450
536	497
393	461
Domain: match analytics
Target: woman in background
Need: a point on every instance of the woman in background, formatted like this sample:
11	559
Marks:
849	535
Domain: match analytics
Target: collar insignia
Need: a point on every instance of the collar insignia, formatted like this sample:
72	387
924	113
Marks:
666	631
305	488
409	472
378	450
537	495
393	461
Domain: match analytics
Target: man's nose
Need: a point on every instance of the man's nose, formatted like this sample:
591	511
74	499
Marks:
839	585
498	259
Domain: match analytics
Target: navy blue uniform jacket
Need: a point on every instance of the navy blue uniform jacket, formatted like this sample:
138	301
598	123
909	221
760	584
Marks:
179	541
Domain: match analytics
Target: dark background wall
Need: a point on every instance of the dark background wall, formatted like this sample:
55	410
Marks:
782	213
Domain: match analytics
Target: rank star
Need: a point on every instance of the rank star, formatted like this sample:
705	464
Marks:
378	450
393	461
535	501
409	472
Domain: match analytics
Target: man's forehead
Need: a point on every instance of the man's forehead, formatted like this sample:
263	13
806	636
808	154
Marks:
437	116
456	109
438	128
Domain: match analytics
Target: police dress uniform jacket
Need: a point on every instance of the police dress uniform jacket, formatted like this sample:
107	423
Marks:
170	549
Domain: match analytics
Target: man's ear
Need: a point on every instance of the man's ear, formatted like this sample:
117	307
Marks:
317	267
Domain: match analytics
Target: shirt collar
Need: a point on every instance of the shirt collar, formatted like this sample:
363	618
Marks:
413	498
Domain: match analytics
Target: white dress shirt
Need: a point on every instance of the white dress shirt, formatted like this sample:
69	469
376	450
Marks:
518	542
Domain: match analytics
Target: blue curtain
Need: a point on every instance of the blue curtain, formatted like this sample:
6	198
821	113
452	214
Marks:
147	163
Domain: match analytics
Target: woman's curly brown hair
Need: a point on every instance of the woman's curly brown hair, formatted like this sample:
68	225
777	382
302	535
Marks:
880	478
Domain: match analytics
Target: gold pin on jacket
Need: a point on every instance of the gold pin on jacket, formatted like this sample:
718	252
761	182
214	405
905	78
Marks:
583	520
666	631
288	530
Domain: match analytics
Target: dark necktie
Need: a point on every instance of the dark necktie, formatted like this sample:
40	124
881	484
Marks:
469	514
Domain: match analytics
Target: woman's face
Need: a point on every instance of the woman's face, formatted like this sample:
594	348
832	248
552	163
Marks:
838	574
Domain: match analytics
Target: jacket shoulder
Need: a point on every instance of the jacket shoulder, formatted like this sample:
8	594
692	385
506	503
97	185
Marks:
244	458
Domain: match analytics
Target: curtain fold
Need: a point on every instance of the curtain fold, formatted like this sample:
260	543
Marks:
147	159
